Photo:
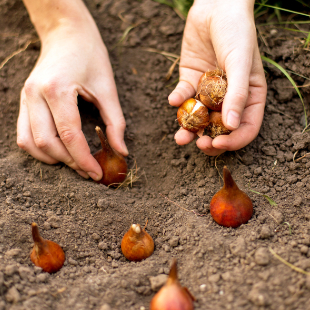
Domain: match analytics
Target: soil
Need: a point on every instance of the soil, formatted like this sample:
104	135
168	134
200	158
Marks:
224	268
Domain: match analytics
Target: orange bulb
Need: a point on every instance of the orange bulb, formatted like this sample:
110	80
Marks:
216	126
231	207
46	254
193	116
137	244
113	164
172	296
212	88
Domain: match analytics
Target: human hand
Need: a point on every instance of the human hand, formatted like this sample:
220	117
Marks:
217	36
73	61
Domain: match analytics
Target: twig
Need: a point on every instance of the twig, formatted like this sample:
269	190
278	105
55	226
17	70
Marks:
181	206
171	69
306	155
215	163
287	263
22	49
154	50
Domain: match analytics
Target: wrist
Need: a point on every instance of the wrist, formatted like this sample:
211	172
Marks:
49	15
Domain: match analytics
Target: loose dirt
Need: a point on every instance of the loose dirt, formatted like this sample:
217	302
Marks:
223	268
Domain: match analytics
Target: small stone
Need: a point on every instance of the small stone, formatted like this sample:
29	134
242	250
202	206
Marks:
46	226
42	277
158	281
278	216
214	278
304	249
258	171
269	150
102	245
202	287
102	204
262	256
13	252
9	182
27	194
95	236
174	241
238	248
73	262
105	307
12	295
167	248
25	273
10	270
114	264
266	232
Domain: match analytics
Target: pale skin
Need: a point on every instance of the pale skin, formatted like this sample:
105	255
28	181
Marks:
74	61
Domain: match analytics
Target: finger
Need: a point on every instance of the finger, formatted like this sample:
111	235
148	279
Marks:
183	136
43	128
24	135
248	130
205	144
238	75
62	101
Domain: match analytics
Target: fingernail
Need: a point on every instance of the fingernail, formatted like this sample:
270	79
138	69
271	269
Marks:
94	176
233	119
125	150
83	174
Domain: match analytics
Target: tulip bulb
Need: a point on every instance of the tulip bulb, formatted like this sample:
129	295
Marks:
231	207
172	296
113	164
137	244
212	88
193	116
46	254
216	126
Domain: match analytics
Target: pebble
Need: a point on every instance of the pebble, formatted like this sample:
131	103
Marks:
95	236
10	270
158	281
105	307
73	262
262	256
174	241
266	232
278	216
167	248
114	264
12	295
102	245
42	277
102	203
214	278
27	194
304	249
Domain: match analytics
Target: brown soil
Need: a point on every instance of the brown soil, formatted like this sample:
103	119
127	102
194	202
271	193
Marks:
223	268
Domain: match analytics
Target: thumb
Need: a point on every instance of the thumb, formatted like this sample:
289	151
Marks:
186	87
238	75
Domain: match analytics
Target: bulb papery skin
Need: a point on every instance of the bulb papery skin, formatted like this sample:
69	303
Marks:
193	115
113	164
46	254
137	244
231	207
172	296
212	87
216	127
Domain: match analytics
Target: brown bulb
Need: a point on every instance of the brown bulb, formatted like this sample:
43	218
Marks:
113	164
137	244
46	254
231	207
172	296
193	116
216	126
212	88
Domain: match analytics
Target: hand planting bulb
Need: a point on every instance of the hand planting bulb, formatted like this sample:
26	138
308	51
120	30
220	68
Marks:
193	116
113	164
231	207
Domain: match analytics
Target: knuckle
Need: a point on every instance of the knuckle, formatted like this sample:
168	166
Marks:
29	87
241	95
41	143
67	135
22	142
50	88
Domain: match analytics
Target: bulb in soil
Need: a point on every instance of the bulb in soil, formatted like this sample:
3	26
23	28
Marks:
212	87
46	254
216	126
113	164
137	244
231	207
193	116
172	296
